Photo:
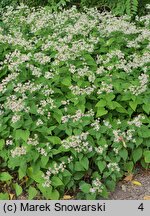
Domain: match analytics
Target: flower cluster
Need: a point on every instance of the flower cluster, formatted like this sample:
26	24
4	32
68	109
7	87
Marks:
124	137
18	151
113	167
136	90
97	186
78	142
78	115
137	121
54	170
33	141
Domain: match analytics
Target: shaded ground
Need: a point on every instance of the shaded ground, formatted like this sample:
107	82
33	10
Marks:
126	190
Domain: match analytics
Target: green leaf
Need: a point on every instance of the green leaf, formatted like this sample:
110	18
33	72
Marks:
54	195
144	132
66	81
18	189
121	110
147	156
5	176
78	175
84	187
133	105
111	184
110	41
124	154
101	111
46	192
22	134
101	103
91	196
113	104
58	115
101	165
4	196
146	108
2	143
54	139
35	175
137	154
22	173
66	173
129	166
85	162
32	192
78	166
109	97
56	181
44	160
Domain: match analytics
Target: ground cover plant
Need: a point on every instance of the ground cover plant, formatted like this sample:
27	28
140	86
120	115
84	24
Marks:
74	101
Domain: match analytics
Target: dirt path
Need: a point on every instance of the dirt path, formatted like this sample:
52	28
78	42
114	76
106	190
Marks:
126	190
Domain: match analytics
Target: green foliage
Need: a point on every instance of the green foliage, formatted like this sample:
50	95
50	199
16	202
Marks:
118	7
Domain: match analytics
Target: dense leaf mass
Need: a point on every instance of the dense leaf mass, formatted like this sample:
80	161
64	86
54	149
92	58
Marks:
74	100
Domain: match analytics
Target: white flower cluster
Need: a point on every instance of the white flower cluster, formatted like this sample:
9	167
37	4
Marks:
35	70
47	90
18	151
33	141
78	115
101	149
49	101
82	72
41	58
115	53
56	169
39	122
6	80
9	142
143	79
78	142
137	121
113	167
15	104
105	88
16	117
110	23
48	75
27	86
76	90
97	186
123	137
42	151
100	70
96	124
107	124
15	59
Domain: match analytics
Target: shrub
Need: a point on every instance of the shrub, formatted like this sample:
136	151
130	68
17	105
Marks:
74	94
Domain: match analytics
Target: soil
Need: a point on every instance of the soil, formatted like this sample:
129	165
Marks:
127	190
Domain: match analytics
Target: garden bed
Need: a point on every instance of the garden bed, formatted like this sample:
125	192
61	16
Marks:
74	101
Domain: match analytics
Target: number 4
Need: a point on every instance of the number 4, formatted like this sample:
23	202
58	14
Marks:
141	207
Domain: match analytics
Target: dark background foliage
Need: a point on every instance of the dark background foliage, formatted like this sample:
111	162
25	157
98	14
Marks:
118	7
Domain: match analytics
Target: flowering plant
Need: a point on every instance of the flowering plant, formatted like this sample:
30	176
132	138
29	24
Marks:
74	100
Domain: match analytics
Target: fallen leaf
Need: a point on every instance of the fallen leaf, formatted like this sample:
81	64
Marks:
137	183
11	196
146	197
67	197
128	178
